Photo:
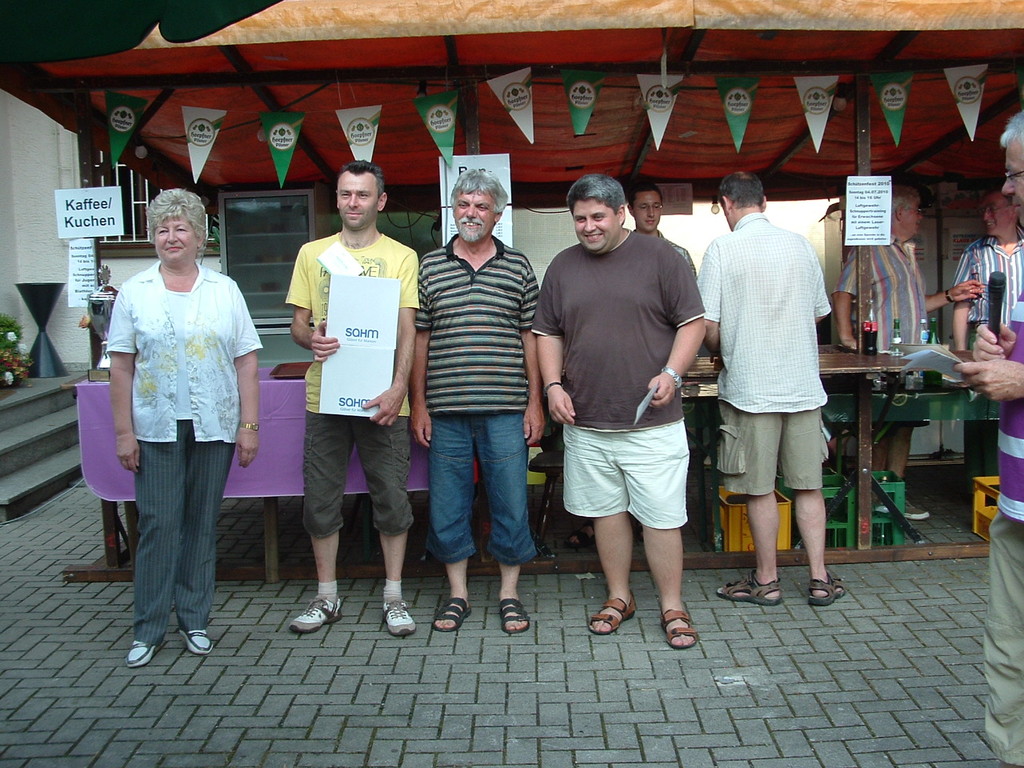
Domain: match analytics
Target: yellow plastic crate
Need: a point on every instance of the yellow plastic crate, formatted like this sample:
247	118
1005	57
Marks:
986	501
535	478
736	529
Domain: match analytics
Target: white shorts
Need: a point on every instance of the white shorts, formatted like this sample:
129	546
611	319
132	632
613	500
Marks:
639	471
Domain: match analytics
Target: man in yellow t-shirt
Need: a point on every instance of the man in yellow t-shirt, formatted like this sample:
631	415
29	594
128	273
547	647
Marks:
382	439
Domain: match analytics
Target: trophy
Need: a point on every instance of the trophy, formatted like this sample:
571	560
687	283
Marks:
101	307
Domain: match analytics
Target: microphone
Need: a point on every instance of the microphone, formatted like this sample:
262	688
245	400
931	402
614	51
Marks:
996	294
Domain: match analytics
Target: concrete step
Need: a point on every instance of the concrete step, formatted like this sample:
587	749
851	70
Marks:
28	487
35	398
32	440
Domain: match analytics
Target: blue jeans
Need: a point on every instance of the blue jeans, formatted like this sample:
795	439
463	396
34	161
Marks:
501	450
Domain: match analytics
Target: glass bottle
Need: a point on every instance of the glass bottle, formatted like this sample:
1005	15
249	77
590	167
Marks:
933	378
896	337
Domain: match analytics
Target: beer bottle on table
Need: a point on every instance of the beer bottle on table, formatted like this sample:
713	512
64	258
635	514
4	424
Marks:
895	338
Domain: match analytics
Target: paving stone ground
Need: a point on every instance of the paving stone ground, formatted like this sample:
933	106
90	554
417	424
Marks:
889	677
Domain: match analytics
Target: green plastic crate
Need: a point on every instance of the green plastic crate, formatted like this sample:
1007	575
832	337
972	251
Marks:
841	527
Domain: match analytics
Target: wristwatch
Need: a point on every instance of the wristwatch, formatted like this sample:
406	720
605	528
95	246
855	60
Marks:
254	426
676	378
549	386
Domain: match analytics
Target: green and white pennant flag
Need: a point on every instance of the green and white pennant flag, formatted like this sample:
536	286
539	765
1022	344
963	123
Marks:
202	126
515	92
439	112
360	125
737	95
659	97
282	130
968	86
893	89
816	94
581	91
123	114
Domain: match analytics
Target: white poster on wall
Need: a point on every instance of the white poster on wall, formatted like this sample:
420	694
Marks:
499	165
868	216
81	271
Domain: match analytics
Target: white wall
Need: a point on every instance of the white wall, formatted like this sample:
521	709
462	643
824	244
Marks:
37	156
542	233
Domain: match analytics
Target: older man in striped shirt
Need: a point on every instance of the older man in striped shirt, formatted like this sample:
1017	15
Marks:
475	389
1000	250
897	291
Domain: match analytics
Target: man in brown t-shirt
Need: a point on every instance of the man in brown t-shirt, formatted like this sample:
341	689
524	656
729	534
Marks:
619	318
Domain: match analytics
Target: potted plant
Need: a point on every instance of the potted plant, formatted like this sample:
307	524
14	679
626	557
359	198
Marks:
14	359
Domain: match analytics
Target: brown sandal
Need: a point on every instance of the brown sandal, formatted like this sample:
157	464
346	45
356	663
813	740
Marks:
832	587
667	617
750	590
625	614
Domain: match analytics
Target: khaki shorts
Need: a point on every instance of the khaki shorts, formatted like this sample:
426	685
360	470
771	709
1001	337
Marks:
1004	641
753	447
640	471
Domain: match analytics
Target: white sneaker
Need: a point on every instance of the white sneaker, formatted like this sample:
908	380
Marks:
913	513
317	613
397	618
197	641
140	654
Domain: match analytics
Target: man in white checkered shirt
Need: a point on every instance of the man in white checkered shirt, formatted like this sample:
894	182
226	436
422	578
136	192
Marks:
763	294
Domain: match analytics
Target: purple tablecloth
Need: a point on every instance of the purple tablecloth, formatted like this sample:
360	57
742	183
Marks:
277	470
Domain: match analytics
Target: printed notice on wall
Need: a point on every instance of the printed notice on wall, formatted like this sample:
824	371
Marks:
868	217
81	271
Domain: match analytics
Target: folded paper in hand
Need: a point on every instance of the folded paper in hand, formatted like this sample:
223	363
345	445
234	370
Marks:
930	357
338	261
644	403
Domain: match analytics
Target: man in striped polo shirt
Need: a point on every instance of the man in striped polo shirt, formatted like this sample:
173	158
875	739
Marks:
897	290
475	390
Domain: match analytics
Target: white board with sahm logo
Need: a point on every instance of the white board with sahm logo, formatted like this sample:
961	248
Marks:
362	313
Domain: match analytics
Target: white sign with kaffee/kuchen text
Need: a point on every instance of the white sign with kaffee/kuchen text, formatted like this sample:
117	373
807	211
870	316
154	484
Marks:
89	212
362	313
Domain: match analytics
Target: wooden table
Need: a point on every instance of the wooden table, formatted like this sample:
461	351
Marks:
276	471
835	362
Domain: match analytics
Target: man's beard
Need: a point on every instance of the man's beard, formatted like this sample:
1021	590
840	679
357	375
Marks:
470	236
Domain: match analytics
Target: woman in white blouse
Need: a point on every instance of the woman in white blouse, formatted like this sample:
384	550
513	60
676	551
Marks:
184	391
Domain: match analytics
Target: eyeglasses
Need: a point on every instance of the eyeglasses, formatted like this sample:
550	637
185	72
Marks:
1011	175
992	209
650	207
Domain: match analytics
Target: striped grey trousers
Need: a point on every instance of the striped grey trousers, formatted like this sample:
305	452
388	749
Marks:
178	489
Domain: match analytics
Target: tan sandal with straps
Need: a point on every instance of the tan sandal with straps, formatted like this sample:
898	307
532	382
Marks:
667	617
625	613
750	590
832	587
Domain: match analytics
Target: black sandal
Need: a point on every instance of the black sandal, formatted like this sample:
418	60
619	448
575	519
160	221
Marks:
455	610
513	612
580	539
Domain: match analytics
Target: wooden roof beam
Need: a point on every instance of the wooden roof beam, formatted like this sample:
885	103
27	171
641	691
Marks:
241	65
413	75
